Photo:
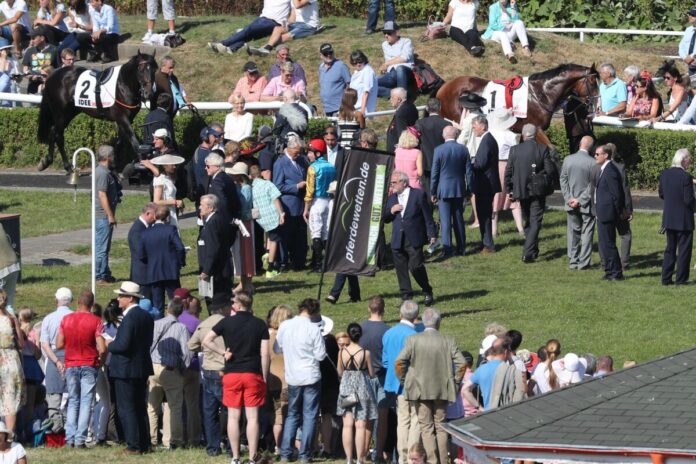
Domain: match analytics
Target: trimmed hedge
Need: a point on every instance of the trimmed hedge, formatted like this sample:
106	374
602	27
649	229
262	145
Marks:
19	126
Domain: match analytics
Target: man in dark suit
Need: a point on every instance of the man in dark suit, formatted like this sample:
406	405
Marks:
430	128
163	253
486	180
222	186
214	242
138	270
610	203
451	179
527	159
159	119
289	174
409	210
406	115
130	367
677	191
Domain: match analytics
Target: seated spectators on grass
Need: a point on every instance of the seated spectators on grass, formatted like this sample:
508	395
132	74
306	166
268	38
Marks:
51	17
250	85
461	14
304	22
102	44
612	92
8	68
40	54
16	26
274	13
504	26
396	71
79	24
286	81
630	74
283	56
646	103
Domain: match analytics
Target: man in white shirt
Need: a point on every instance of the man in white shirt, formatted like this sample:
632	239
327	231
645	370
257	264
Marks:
274	14
396	71
303	22
16	26
303	348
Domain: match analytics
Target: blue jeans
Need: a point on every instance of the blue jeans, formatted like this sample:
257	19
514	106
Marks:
303	409
398	76
102	247
259	28
373	13
212	402
6	35
82	384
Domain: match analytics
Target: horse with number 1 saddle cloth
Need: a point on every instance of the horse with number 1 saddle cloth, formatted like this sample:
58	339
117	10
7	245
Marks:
510	94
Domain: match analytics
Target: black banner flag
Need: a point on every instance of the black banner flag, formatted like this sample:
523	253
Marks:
356	217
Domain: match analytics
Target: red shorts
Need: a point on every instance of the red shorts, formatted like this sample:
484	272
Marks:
243	389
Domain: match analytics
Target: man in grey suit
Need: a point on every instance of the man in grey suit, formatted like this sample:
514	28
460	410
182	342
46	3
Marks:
577	194
429	367
451	180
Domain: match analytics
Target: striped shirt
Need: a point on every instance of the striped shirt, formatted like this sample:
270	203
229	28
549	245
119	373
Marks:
170	343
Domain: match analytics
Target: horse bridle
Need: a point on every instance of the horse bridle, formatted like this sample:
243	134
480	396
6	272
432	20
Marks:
589	100
143	67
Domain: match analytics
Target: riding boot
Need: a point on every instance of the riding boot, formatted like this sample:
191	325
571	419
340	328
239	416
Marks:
317	248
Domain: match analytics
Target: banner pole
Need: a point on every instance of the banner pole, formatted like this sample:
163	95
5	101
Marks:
323	264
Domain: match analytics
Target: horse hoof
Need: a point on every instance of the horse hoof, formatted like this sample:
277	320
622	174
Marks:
68	168
45	162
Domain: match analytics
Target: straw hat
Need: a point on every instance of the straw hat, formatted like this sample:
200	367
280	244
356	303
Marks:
239	168
167	160
501	119
129	289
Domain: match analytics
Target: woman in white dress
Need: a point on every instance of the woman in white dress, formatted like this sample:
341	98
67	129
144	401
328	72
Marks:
163	167
238	123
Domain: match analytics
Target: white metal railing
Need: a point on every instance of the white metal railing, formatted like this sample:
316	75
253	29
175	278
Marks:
616	122
592	30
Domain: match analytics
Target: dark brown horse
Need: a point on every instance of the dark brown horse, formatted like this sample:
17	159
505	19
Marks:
548	90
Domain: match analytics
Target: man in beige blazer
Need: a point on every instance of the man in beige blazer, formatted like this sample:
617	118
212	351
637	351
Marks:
429	367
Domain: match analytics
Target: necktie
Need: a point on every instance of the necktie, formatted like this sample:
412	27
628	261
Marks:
693	41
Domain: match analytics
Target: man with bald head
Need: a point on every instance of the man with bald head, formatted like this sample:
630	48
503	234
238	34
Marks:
576	175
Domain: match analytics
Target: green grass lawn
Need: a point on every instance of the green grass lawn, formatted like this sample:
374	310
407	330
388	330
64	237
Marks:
45	213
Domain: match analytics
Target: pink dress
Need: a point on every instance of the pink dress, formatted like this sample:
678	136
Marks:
405	160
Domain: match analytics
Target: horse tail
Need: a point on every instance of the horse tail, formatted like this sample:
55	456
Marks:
45	121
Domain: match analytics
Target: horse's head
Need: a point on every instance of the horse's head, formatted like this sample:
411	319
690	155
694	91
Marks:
586	89
146	69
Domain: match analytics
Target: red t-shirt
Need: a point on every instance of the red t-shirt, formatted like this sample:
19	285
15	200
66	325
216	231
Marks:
80	331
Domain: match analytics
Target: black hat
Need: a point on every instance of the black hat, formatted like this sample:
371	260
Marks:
691	12
251	67
390	26
37	31
326	49
471	100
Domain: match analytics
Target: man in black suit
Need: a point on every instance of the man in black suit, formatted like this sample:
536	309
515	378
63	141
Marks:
610	203
431	128
406	115
222	186
409	209
486	180
159	119
526	160
163	253
214	241
130	367
138	269
677	191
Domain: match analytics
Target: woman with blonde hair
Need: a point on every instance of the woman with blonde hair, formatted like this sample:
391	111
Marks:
544	378
349	120
239	123
232	151
408	158
11	374
277	387
50	17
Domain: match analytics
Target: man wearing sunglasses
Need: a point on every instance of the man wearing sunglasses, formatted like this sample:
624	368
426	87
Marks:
398	60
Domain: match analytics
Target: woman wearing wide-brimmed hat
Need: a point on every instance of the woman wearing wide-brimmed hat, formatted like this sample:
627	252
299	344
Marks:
163	167
243	251
471	107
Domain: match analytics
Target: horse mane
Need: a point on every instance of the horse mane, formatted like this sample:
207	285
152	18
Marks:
133	60
555	72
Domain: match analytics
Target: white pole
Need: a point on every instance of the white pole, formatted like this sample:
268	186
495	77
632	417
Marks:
582	36
94	222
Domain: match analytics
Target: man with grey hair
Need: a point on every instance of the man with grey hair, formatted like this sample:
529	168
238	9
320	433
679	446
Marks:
612	92
109	195
451	181
138	268
430	128
222	186
526	160
429	366
576	177
630	74
677	191
393	341
486	180
409	209
214	242
289	174
405	115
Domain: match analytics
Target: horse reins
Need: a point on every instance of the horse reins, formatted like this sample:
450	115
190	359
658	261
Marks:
142	93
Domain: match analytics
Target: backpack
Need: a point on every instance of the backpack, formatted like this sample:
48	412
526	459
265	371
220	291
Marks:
427	80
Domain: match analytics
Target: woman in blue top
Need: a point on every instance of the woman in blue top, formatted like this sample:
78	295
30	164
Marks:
504	26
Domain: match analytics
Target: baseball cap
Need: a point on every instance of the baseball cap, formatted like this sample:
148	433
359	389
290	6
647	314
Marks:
182	293
37	31
208	131
161	133
326	49
251	67
390	26
318	145
692	12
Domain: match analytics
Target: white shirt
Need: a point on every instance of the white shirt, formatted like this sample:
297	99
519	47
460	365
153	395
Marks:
506	139
83	20
168	193
402	48
48	16
541	377
14	454
11	11
144	222
238	127
302	346
464	14
365	80
128	309
308	14
332	154
403	199
277	10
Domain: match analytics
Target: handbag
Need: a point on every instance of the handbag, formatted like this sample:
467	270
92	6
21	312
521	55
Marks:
434	30
348	401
